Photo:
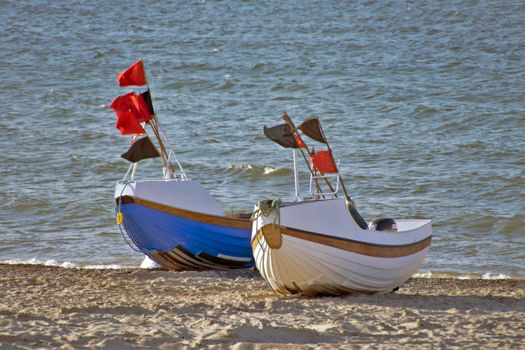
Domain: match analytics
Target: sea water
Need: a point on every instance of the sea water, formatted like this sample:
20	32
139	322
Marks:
422	101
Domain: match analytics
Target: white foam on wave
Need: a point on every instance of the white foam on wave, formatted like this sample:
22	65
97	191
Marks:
240	167
422	275
65	264
147	263
34	261
106	267
266	170
462	276
269	170
493	276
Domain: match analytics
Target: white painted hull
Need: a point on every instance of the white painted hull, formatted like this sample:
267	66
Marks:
319	250
188	195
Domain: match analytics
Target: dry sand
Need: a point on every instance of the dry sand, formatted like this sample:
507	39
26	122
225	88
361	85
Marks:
49	307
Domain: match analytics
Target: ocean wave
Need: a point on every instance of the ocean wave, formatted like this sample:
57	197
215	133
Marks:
65	264
464	275
257	170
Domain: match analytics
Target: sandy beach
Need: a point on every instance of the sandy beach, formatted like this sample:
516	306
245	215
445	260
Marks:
57	308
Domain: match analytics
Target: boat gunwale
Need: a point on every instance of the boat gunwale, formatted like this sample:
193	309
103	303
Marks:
225	221
349	245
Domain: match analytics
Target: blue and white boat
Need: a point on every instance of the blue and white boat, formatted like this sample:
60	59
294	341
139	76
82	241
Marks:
173	220
178	224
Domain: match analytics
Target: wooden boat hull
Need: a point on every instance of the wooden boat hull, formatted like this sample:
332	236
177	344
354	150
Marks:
158	225
316	248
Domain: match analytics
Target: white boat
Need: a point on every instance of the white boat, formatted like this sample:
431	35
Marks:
320	245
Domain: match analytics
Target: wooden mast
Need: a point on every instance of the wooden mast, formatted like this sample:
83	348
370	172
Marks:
289	121
154	124
347	196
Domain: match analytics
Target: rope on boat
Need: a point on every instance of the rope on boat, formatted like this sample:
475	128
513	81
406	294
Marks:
120	220
265	208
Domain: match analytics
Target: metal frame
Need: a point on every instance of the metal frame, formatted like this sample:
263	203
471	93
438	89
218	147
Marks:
319	195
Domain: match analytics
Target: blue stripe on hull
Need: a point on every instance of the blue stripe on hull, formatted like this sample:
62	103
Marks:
152	230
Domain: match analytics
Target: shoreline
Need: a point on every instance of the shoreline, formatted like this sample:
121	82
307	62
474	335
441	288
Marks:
54	307
433	274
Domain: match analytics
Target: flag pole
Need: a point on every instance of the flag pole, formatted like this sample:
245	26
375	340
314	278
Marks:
289	121
152	124
183	174
155	127
347	196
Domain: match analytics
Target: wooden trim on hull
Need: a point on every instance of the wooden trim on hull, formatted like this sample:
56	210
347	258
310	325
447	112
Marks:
180	259
173	261
363	248
191	215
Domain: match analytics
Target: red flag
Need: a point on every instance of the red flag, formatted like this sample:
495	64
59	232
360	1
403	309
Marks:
131	110
140	108
133	75
134	104
324	162
122	102
127	124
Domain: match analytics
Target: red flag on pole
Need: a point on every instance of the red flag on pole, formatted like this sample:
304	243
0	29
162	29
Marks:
140	108
127	124
122	103
324	162
131	110
134	75
134	104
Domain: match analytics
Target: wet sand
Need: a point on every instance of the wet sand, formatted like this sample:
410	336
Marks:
58	308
